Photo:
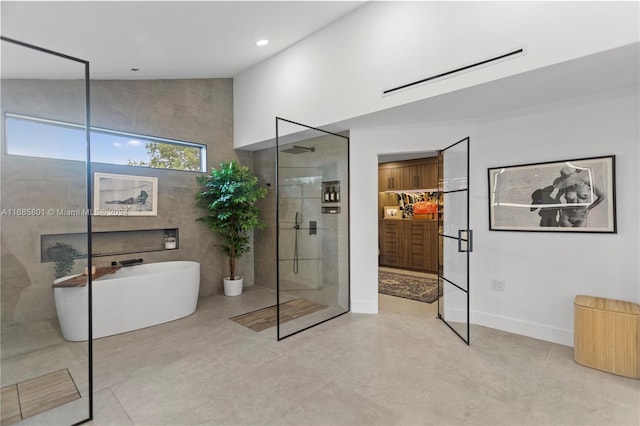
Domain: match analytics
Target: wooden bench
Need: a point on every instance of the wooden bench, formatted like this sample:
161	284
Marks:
607	335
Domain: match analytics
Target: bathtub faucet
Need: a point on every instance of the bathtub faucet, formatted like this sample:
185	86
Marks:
130	262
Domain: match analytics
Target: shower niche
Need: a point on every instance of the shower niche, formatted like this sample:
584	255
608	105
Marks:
111	243
331	191
331	194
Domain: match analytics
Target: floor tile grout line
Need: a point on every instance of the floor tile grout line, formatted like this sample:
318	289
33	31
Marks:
120	404
19	402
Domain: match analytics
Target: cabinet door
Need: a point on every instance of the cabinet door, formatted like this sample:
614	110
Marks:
420	176
431	245
417	250
430	174
392	243
412	177
395	176
390	179
384	180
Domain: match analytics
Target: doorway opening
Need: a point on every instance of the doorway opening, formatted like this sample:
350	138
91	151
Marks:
424	225
409	206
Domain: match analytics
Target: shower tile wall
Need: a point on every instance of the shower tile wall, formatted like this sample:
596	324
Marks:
323	258
300	190
265	256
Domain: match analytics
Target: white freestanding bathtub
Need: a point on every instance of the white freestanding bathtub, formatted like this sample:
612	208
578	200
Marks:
131	298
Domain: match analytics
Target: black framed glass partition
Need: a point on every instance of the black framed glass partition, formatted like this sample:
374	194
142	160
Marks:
455	238
45	379
313	226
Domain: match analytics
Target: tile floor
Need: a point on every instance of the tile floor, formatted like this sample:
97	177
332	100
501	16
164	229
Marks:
400	367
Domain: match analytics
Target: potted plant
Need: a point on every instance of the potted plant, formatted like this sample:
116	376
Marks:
64	256
230	194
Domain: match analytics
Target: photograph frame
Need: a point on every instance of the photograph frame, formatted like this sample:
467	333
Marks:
576	195
392	212
124	195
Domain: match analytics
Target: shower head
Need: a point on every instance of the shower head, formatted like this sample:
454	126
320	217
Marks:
296	149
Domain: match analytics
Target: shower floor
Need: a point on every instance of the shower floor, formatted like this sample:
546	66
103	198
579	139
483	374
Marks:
268	317
32	397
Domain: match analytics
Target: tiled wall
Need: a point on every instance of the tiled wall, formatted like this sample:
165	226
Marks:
198	111
265	253
300	191
323	257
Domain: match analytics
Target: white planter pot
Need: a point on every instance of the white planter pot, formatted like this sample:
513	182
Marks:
232	287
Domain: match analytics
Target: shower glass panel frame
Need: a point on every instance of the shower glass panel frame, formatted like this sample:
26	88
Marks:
36	194
312	217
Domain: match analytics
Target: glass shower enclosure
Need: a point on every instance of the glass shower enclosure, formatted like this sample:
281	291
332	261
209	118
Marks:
45	379
313	226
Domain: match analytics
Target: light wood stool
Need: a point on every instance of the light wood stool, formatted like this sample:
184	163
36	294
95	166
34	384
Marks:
607	335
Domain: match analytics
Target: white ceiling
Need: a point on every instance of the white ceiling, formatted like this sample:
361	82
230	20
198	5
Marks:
164	39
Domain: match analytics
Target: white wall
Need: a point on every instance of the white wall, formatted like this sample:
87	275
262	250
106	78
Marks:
365	146
339	72
543	271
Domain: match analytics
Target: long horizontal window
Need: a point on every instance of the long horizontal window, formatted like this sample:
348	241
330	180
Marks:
36	137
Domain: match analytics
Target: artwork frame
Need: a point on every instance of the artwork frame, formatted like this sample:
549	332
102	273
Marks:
392	212
124	195
576	195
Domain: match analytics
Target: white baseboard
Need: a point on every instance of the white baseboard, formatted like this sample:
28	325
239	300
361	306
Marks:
537	331
510	325
361	307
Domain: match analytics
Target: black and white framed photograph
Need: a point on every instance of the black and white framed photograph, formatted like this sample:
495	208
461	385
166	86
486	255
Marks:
560	196
125	195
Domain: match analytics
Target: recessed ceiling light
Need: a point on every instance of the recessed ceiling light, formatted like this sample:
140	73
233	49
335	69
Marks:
262	42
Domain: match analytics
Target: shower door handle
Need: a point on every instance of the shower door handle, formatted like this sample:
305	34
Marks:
465	240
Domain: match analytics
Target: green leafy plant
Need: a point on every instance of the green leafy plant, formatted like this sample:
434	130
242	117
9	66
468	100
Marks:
168	156
230	194
64	256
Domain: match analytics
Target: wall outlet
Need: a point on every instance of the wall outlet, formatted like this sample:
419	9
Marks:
497	285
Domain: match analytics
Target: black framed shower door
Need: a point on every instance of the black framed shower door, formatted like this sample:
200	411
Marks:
312	216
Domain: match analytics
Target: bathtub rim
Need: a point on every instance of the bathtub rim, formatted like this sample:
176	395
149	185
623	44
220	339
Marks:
109	277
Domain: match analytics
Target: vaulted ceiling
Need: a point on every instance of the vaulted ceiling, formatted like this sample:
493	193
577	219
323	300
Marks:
165	39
